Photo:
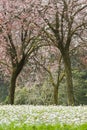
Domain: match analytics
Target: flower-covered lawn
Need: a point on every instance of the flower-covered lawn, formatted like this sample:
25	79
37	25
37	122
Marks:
38	115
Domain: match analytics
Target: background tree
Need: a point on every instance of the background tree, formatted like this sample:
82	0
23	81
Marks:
49	59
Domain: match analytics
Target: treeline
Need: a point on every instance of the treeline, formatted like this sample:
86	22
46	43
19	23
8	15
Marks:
42	93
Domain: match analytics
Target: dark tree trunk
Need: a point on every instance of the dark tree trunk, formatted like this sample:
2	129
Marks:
15	73
12	88
68	72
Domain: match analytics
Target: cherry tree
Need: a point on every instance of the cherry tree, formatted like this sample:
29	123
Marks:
65	24
19	38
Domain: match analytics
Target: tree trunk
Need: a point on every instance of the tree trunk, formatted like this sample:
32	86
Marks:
15	73
56	95
12	88
68	72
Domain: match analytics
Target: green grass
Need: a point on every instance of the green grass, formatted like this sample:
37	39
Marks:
44	127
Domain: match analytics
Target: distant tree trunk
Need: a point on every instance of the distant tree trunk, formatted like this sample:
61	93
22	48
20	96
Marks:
56	95
68	72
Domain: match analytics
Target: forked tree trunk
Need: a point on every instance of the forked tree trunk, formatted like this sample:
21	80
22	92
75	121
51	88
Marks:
68	72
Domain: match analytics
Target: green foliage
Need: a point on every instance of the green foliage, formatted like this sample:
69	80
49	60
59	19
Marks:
43	94
80	86
3	91
21	96
36	95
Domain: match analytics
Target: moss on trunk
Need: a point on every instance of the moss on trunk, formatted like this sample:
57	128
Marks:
68	72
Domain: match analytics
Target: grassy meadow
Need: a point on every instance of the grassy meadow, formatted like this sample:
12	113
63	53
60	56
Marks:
28	117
